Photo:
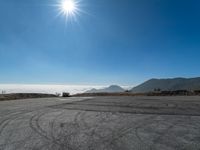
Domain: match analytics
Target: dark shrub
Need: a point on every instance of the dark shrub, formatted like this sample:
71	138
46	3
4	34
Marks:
197	92
65	94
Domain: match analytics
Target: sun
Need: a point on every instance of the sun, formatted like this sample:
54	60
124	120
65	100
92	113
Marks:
70	9
68	6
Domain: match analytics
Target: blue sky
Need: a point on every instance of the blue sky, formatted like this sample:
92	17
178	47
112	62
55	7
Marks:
117	41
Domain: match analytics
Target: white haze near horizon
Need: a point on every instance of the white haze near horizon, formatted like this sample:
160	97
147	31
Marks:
48	88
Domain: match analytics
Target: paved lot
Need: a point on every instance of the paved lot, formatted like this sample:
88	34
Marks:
101	123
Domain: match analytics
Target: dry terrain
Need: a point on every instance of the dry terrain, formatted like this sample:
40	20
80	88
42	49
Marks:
16	96
101	123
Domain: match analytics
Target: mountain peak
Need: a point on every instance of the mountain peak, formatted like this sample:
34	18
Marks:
110	89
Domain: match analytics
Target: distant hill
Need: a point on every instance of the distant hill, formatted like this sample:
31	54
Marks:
168	85
110	89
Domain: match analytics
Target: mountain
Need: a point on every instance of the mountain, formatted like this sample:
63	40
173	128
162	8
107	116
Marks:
110	89
168	85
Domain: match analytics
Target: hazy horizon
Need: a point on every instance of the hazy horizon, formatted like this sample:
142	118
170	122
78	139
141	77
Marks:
50	88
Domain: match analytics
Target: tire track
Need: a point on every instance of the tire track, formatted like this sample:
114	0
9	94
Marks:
132	127
52	126
145	123
69	139
4	123
115	135
34	125
162	134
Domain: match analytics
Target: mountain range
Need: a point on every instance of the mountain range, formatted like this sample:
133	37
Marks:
168	85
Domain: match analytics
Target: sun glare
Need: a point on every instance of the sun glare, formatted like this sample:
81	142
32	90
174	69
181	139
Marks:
69	9
68	6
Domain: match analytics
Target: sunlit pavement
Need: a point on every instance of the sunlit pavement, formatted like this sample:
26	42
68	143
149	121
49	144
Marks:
101	123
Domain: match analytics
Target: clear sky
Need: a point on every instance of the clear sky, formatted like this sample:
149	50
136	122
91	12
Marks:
116	41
